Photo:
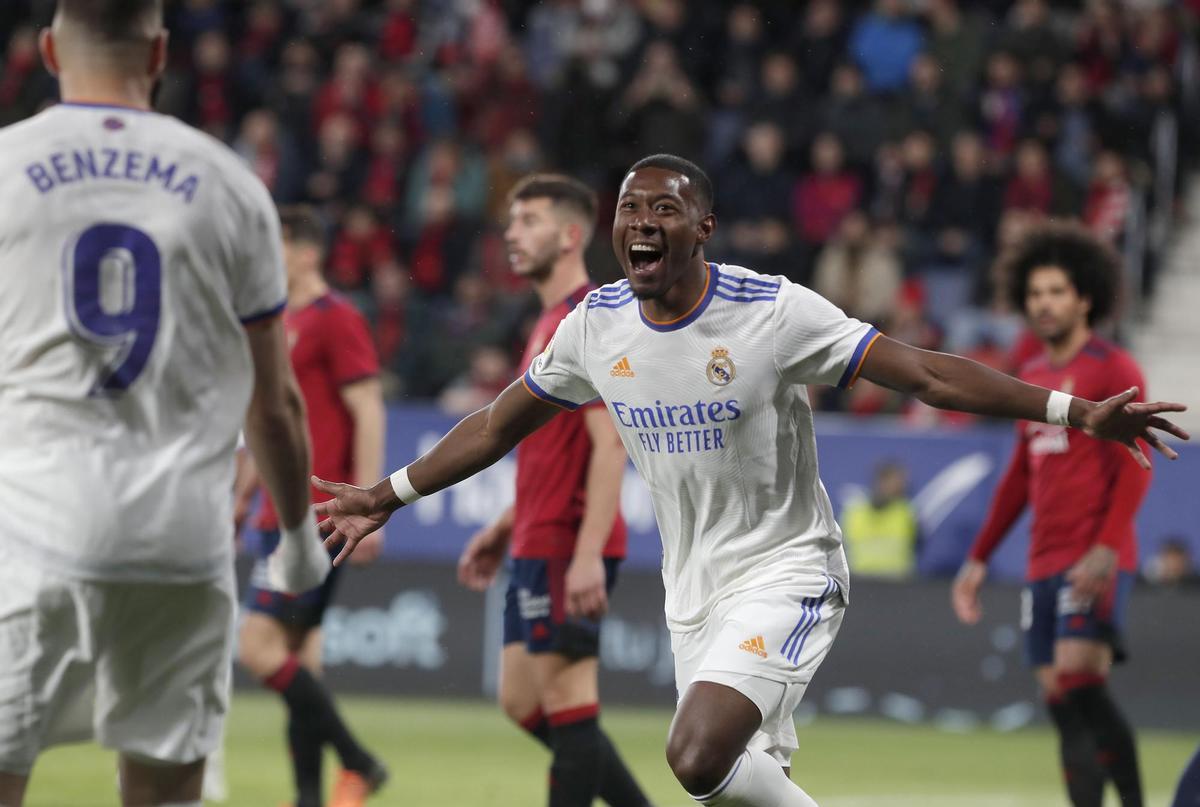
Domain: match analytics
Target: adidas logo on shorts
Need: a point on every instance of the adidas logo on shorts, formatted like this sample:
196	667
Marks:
756	646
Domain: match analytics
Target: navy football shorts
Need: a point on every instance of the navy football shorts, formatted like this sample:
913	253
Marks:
298	611
1050	613
535	609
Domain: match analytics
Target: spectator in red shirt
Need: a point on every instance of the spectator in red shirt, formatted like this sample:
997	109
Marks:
824	196
1106	212
1032	186
1084	494
361	248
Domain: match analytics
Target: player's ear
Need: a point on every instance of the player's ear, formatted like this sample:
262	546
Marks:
706	227
48	49
572	237
158	54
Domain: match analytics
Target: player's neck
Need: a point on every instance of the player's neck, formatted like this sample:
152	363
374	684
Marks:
682	297
566	276
1067	348
105	89
304	292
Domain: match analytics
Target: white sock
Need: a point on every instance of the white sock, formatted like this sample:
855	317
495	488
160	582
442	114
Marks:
756	780
300	562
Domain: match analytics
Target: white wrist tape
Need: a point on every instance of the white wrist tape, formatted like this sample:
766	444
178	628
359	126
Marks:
1058	409
405	492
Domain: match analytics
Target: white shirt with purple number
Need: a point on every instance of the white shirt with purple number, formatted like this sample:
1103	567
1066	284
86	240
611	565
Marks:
132	251
714	412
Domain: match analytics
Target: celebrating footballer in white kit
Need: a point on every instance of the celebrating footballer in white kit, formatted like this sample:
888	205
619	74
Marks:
140	278
703	367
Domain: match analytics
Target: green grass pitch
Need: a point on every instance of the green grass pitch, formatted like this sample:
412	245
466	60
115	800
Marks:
463	754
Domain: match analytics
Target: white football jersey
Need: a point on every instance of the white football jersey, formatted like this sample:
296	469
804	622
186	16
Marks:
132	250
714	413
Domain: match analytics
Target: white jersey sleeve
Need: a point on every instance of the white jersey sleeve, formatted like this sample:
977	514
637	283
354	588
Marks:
558	375
260	287
815	342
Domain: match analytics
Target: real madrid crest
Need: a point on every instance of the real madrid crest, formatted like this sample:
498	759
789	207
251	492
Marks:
720	367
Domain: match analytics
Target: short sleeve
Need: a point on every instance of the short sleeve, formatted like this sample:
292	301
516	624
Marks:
260	282
349	347
815	343
557	375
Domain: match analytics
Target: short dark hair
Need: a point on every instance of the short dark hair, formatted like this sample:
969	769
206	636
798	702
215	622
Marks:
694	173
1092	265
561	190
300	223
113	20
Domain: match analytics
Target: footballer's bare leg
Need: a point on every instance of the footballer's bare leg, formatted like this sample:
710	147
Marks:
12	789
707	751
145	783
263	645
518	693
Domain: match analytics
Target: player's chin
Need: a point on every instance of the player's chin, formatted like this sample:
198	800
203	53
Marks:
644	286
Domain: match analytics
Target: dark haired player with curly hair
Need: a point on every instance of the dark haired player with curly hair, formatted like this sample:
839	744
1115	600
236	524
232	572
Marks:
1084	494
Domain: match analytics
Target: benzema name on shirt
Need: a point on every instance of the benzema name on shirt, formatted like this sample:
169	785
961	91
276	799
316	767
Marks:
132	166
658	426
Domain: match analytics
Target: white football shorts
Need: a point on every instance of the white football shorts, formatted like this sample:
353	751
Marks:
143	668
765	644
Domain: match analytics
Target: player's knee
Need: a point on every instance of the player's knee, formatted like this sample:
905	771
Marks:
260	654
699	765
516	707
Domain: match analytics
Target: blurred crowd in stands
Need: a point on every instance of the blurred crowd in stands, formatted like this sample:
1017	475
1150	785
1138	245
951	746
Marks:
880	152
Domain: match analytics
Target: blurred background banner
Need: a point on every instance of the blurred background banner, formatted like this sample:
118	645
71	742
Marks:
408	627
946	482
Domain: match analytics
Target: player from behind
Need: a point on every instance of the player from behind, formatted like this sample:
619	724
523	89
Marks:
1084	494
716	418
140	285
280	639
565	527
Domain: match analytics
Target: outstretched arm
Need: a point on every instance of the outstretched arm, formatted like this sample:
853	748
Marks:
478	441
952	382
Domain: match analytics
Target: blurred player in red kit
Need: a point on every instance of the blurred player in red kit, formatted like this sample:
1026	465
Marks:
1084	494
280	640
565	529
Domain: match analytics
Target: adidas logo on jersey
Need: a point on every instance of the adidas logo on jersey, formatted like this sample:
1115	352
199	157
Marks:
756	646
622	369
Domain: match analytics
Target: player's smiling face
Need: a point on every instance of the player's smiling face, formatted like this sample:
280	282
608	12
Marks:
658	229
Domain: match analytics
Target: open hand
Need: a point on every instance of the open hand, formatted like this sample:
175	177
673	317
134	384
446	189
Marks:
1123	421
482	557
587	592
350	516
964	594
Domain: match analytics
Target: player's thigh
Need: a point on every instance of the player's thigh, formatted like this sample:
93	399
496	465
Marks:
566	683
262	645
1089	656
47	647
162	679
307	645
518	692
766	645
